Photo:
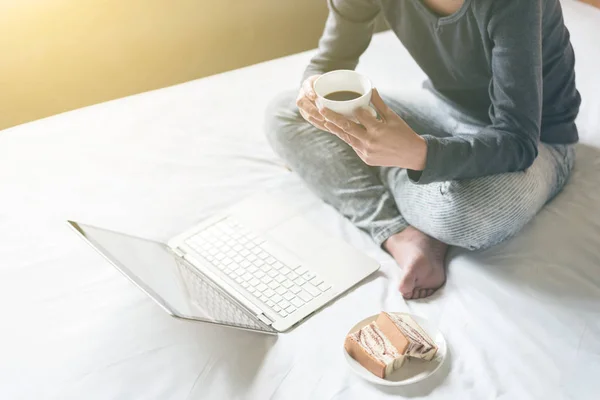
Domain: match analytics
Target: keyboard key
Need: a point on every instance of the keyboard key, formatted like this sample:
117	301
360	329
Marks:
220	256
297	302
291	275
316	281
284	304
300	270
323	287
308	275
231	253
265	267
277	264
238	247
276	308
251	257
280	278
263	255
282	313
299	281
239	279
276	298
281	290
245	285
238	258
259	263
243	240
249	245
305	296
264	298
247	276
256	250
295	289
240	271
252	269
254	281
287	284
273	284
288	296
273	273
245	264
270	303
245	253
227	271
311	289
261	287
266	279
259	274
233	275
252	289
270	260
269	293
227	261
285	270
291	308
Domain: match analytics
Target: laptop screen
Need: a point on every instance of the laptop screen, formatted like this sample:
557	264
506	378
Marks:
180	289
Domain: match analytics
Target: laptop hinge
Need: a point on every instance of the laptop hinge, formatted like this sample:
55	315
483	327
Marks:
265	319
179	252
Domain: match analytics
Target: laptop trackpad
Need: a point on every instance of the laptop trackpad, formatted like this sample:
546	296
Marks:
298	237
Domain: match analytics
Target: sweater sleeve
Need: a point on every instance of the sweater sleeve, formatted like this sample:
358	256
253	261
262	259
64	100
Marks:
347	34
509	143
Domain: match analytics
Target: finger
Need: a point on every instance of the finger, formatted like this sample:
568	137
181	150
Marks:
307	87
380	105
348	126
309	108
316	123
339	132
366	119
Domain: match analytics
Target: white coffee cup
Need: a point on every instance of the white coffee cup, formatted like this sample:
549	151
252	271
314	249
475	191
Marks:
344	80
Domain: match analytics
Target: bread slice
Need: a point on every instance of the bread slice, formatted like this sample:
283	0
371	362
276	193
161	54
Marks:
373	350
406	335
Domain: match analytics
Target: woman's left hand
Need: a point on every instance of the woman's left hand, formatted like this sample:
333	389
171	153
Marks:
387	142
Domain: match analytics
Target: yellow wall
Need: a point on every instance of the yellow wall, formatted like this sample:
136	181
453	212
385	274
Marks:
57	55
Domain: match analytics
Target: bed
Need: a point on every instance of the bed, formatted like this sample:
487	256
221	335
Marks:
522	320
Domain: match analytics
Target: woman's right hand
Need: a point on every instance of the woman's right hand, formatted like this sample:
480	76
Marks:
306	103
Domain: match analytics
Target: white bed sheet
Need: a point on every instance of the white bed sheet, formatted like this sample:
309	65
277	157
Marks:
522	320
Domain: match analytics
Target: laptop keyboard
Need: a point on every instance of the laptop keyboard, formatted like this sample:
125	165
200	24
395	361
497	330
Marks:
241	255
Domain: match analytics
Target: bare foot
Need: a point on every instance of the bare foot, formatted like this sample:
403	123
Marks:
422	258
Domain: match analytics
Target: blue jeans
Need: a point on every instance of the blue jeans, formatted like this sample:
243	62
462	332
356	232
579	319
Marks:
470	213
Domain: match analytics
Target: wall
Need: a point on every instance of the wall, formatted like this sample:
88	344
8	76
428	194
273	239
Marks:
57	55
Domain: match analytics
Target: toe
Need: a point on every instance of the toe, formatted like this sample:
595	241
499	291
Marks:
407	284
430	292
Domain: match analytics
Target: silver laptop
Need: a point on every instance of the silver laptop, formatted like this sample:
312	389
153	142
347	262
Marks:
259	266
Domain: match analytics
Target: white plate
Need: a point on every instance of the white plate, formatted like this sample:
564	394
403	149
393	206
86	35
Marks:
413	370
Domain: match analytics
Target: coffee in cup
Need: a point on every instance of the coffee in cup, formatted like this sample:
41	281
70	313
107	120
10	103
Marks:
344	91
